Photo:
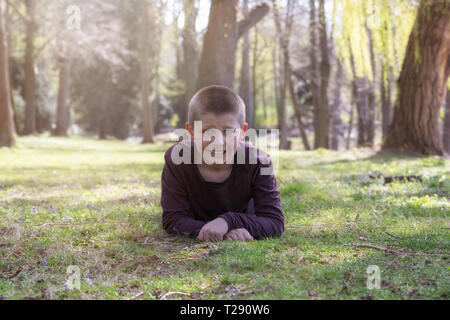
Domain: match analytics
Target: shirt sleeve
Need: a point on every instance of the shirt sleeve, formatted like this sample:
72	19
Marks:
268	220
177	217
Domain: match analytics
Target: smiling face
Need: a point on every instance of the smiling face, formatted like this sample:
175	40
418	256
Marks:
223	138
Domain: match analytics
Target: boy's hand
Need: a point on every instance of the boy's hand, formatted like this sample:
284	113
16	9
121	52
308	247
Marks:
239	234
213	230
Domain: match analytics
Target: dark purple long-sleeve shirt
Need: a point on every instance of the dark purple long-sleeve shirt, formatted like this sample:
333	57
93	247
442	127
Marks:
246	199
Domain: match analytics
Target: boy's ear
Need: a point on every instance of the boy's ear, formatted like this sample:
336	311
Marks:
190	129
243	130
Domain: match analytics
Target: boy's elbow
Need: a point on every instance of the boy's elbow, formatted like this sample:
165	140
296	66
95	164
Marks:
168	225
279	229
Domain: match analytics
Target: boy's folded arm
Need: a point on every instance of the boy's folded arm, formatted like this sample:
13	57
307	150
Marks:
268	219
260	226
180	223
176	217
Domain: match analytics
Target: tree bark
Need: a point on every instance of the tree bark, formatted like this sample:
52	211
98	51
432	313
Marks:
63	108
422	83
336	112
359	99
446	130
190	51
7	130
144	51
30	76
284	36
371	92
322	140
245	88
282	72
386	91
315	75
218	57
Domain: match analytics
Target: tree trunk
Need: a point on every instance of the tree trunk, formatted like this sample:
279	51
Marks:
144	52
371	92
190	51
245	88
315	75
336	115
287	77
253	76
359	99
63	108
7	130
422	83
350	127
446	131
218	57
282	74
386	91
7	19
322	140
30	76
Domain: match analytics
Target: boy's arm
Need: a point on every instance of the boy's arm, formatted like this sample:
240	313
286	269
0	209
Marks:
268	219
176	216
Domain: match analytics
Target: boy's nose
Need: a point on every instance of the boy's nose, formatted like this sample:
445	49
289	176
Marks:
219	139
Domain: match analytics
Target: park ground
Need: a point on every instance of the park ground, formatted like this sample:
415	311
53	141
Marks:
95	205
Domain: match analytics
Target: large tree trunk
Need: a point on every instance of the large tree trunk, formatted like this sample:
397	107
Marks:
30	76
218	57
144	51
63	108
245	88
322	140
7	130
190	51
422	83
446	131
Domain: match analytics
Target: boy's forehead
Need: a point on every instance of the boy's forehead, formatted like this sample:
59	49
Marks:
226	120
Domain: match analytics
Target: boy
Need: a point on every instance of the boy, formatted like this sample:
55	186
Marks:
219	197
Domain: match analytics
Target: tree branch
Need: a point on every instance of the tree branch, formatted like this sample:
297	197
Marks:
253	18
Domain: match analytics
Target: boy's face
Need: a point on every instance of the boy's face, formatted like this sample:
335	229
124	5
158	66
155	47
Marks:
231	133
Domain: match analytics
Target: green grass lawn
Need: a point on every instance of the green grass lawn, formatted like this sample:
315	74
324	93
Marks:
95	205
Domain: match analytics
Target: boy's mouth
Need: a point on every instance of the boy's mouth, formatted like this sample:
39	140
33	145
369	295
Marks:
213	153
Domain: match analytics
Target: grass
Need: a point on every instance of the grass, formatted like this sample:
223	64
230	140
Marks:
95	205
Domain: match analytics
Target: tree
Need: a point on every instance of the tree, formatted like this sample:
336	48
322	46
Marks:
30	76
446	131
422	83
285	79
190	51
63	108
322	134
245	87
144	52
218	57
7	130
